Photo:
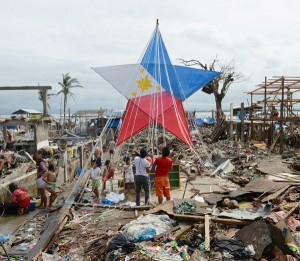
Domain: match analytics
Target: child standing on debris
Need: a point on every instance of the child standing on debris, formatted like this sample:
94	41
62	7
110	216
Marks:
41	170
128	170
50	179
162	183
98	154
95	177
108	172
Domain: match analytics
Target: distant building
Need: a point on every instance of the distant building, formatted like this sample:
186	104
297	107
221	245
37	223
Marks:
28	113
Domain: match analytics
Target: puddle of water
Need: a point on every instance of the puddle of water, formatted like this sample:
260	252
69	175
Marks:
10	223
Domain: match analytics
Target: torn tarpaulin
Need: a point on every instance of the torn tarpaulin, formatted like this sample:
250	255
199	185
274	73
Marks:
123	241
245	214
234	247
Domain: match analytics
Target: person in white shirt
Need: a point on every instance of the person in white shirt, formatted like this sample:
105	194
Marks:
95	177
142	167
128	170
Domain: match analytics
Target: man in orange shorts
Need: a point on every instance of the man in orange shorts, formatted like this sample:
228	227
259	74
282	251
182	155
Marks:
162	184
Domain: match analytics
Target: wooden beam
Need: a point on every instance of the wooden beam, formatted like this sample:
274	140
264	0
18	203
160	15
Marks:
24	88
225	221
207	237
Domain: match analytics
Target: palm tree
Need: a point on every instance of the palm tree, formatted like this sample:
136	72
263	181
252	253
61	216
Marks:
41	97
67	84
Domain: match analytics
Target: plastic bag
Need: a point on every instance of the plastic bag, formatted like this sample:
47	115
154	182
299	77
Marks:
123	241
4	238
114	197
105	201
145	234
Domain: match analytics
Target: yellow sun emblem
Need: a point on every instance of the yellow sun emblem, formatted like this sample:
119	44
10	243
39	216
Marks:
144	83
134	94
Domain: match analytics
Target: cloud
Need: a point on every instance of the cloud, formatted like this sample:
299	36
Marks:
40	40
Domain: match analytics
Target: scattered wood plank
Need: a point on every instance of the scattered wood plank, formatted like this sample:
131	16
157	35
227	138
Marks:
225	221
166	232
184	228
275	195
207	237
288	214
126	208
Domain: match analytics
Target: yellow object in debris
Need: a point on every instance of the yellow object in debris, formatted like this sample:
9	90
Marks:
245	204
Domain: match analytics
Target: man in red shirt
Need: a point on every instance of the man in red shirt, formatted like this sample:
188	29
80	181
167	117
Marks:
19	203
163	166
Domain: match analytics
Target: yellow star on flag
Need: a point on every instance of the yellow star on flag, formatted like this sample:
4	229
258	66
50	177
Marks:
142	70
158	88
134	94
144	83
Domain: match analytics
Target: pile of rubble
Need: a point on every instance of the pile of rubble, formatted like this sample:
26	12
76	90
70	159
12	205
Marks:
242	204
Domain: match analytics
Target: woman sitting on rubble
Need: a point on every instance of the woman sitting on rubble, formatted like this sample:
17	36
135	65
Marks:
41	171
19	203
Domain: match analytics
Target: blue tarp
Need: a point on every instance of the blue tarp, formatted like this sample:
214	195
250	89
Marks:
200	121
13	127
114	123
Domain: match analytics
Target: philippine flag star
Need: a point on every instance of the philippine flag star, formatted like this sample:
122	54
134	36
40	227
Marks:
155	90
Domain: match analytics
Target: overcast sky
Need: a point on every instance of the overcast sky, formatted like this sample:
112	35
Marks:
41	40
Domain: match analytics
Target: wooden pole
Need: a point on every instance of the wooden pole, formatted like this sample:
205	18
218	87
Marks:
231	121
251	116
265	107
69	125
45	105
4	128
281	115
242	122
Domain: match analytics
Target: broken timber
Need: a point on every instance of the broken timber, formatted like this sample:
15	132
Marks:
54	224
219	129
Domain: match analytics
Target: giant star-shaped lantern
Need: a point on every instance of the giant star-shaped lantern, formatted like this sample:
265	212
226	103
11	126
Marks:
155	90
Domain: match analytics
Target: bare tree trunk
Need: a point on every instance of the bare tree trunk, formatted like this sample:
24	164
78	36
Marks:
219	110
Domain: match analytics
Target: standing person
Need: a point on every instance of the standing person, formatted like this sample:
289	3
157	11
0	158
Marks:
141	176
162	183
98	154
95	177
50	178
19	203
111	148
128	170
108	172
41	170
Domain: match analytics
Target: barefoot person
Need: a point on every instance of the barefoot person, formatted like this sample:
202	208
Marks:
50	178
41	170
95	177
162	184
108	172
